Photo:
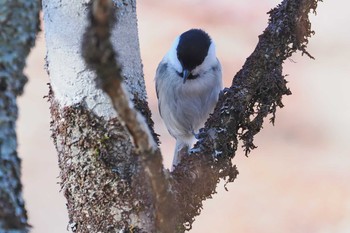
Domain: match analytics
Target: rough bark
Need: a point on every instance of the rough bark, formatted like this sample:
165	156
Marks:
105	179
19	22
97	164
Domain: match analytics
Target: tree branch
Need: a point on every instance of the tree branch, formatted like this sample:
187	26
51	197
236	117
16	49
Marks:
99	55
255	93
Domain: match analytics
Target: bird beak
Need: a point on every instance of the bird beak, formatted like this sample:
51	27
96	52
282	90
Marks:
185	75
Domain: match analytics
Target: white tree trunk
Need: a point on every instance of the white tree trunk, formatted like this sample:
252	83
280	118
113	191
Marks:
65	22
95	153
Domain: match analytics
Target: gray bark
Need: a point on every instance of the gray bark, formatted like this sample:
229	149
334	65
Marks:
19	22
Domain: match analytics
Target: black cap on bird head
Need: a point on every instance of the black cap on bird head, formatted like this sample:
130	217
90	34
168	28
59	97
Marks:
192	49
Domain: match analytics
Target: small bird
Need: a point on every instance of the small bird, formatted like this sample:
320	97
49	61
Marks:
188	82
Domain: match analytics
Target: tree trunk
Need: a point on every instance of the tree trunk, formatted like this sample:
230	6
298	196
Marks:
95	152
19	20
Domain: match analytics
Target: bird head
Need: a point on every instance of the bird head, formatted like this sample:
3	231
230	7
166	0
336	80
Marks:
193	52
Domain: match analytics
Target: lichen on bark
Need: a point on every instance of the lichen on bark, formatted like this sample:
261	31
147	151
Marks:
97	169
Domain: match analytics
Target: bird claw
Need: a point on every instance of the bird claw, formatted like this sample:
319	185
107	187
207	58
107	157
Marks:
196	135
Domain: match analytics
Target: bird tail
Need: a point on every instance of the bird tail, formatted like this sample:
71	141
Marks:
181	150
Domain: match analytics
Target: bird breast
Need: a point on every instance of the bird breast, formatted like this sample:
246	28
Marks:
185	106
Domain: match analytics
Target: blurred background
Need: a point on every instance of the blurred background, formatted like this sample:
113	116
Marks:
297	180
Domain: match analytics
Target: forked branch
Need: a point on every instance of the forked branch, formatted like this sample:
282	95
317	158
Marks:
256	92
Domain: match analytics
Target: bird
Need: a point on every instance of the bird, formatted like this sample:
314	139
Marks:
188	81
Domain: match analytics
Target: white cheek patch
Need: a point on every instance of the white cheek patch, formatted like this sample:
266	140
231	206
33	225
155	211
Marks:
171	56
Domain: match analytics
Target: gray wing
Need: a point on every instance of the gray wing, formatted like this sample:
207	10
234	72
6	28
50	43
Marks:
160	75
